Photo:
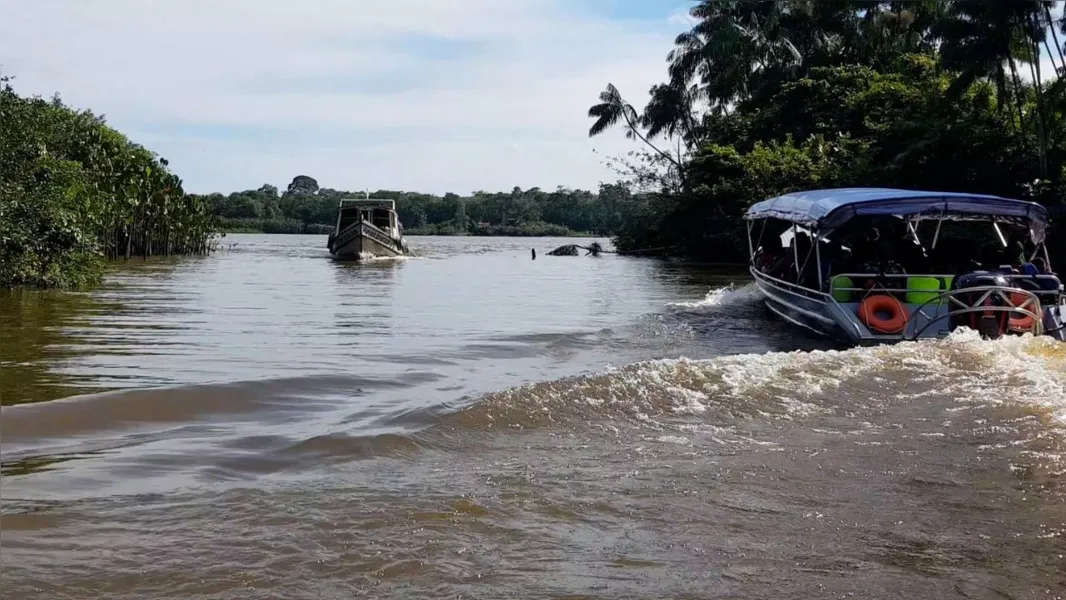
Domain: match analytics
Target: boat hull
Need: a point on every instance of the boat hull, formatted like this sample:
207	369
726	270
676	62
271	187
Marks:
800	308
819	313
363	241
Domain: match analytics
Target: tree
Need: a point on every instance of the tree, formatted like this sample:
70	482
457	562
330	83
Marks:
73	192
302	185
763	96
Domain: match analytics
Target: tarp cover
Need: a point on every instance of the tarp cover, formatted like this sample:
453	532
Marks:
824	210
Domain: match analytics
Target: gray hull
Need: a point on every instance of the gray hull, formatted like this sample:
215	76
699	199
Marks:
799	307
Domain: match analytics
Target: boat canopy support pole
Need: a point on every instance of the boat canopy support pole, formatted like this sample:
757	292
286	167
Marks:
936	236
912	226
806	261
795	250
999	232
1036	251
818	259
751	246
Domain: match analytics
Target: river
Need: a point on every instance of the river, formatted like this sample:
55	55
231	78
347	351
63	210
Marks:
472	423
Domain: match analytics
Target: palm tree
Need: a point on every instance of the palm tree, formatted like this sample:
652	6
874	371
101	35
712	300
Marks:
739	47
613	109
671	112
727	49
887	30
982	39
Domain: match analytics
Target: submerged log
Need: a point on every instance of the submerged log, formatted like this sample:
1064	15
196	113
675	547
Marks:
572	250
568	250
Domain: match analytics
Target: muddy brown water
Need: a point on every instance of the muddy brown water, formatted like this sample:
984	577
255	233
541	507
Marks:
265	423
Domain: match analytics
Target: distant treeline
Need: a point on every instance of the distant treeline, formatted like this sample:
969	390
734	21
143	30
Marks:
304	207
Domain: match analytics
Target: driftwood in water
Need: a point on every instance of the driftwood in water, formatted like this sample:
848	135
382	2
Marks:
571	250
568	250
595	249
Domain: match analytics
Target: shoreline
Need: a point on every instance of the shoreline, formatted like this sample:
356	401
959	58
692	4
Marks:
416	233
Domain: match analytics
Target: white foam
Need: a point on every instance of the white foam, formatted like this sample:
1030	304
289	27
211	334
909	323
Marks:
729	295
674	439
375	258
792	384
724	391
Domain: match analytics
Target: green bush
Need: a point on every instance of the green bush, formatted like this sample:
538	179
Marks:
74	192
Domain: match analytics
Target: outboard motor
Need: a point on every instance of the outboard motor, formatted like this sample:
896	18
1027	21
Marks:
991	323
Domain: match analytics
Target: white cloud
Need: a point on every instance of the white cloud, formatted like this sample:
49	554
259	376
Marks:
236	93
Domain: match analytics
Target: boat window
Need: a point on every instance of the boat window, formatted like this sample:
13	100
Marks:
348	216
381	218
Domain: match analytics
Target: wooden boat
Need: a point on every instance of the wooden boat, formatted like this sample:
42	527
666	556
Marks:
367	228
819	261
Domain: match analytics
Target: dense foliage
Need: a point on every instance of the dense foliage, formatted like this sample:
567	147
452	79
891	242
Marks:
306	208
764	98
74	192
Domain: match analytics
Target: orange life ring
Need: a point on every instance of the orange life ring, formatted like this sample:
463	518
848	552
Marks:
883	314
1020	321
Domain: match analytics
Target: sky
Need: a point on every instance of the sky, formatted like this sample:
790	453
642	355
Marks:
419	95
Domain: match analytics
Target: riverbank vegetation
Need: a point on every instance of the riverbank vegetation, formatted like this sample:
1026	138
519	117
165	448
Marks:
74	193
304	207
763	98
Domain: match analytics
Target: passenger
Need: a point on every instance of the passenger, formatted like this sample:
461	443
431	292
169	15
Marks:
866	251
764	261
1029	276
805	249
912	255
945	258
786	267
770	256
1014	253
991	256
884	250
1031	268
1048	282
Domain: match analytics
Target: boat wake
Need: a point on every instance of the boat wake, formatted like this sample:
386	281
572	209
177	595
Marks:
942	460
960	386
399	258
722	298
964	368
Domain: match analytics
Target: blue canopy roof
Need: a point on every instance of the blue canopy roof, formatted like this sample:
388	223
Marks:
824	210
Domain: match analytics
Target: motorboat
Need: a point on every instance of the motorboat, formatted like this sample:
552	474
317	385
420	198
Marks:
367	228
876	265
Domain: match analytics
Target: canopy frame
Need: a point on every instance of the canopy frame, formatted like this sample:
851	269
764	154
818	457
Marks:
826	210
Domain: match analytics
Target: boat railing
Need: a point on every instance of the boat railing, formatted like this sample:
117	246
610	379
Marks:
880	287
989	299
791	286
944	279
800	290
1024	306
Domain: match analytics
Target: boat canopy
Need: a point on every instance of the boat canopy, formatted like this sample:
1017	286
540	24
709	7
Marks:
826	210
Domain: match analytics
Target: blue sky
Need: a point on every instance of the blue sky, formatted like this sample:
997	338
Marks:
450	95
